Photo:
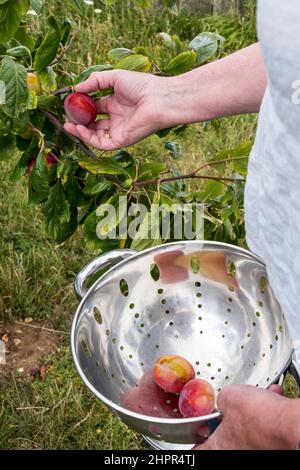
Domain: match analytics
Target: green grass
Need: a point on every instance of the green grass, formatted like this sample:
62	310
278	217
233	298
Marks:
37	276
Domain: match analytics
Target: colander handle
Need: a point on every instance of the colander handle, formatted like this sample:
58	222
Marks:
101	262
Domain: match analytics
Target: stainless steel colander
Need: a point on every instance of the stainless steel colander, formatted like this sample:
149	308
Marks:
208	302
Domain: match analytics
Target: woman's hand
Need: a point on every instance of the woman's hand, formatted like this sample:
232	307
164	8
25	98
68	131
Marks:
135	108
255	419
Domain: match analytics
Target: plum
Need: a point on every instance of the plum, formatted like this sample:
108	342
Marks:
33	83
197	398
172	372
80	109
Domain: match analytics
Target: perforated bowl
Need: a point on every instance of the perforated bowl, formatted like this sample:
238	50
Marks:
208	302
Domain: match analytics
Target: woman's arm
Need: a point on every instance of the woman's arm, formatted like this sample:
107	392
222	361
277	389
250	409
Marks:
144	103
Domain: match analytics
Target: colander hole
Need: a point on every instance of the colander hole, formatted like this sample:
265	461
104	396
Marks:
262	284
114	340
107	332
260	303
160	291
223	336
154	272
148	334
197	363
137	315
254	324
271	346
254	364
268	379
122	348
208	364
164	301
276	338
230	299
142	364
229	310
212	378
199	305
219	389
130	356
131	306
85	349
124	287
123	381
168	402
201	332
142	325
97	364
199	318
97	315
280	328
113	376
226	322
231	288
227	377
171	323
248	335
175	410
257	314
198	294
167	312
257	385
157	346
198	373
195	264
242	347
263	354
219	370
231	270
197	284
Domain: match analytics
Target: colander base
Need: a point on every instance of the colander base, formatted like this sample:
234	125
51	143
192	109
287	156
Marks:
163	445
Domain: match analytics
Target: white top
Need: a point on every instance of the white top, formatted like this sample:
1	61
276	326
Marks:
272	198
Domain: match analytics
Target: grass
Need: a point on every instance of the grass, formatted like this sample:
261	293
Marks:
37	276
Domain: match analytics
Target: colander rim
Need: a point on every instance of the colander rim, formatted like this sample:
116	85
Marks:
152	419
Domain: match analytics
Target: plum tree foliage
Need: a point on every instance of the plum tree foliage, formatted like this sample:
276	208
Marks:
67	179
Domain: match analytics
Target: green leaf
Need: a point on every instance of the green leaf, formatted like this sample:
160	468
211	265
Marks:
31	102
137	62
103	165
73	192
212	190
39	177
182	63
56	204
48	80
89	230
37	5
24	38
166	40
97	187
172	6
49	47
21	167
151	170
21	124
46	101
206	45
143	3
3	1
94	68
174	148
14	76
65	30
18	51
7	147
11	14
5	123
119	53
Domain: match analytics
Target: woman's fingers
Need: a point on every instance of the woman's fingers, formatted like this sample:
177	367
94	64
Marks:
100	138
99	81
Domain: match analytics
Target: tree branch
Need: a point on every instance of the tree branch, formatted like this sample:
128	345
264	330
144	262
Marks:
59	125
184	177
62	91
218	162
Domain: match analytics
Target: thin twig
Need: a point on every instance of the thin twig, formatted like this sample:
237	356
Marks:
59	125
42	328
218	162
62	91
64	49
183	177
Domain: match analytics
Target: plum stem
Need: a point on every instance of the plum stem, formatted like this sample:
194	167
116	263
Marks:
59	125
62	91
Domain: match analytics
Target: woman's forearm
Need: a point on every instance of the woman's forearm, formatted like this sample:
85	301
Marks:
229	86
